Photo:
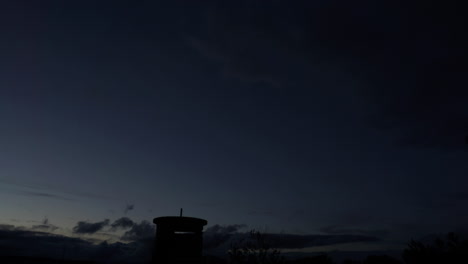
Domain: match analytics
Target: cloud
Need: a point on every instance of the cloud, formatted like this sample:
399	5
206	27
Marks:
45	226
122	223
218	239
83	227
217	235
4	227
338	230
291	241
143	230
21	242
17	241
31	189
46	195
49	228
262	213
128	208
226	229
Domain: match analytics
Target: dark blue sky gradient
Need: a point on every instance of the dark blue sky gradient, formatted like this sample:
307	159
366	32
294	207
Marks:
297	117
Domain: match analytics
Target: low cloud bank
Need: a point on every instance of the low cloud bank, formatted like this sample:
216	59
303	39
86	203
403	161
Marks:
218	239
18	241
139	237
83	227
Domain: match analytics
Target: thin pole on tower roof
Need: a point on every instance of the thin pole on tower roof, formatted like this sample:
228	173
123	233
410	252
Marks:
181	212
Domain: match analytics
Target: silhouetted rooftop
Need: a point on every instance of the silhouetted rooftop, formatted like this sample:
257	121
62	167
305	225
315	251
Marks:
180	222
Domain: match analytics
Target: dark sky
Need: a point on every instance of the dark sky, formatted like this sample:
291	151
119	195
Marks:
304	117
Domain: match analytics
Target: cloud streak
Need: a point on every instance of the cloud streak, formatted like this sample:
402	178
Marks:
218	235
46	195
141	231
122	223
83	227
36	189
129	208
338	230
45	226
218	239
21	242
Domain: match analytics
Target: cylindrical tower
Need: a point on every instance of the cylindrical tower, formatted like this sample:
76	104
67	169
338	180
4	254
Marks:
178	240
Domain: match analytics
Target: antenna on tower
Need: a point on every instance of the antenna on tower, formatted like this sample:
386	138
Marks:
181	210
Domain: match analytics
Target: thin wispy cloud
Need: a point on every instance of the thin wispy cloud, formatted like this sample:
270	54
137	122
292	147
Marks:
50	192
45	226
129	208
83	227
46	195
122	223
32	193
24	242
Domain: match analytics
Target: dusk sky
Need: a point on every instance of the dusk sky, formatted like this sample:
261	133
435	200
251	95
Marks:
301	117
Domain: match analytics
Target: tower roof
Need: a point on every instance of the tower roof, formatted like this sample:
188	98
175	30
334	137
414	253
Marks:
181	223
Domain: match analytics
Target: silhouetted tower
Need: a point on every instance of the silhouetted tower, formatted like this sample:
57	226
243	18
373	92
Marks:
178	240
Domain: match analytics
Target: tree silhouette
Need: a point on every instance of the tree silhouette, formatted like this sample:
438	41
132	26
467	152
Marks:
351	261
254	250
320	259
452	250
382	259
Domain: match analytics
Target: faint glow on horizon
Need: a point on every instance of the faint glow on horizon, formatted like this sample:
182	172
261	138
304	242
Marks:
350	247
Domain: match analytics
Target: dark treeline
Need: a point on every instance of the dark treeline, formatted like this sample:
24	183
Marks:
450	249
